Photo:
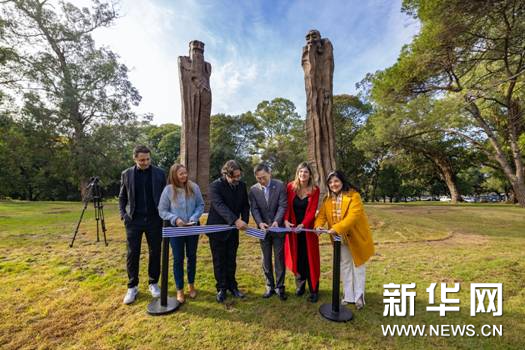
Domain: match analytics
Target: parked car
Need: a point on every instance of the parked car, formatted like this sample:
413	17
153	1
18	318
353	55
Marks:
494	197
484	198
469	199
444	199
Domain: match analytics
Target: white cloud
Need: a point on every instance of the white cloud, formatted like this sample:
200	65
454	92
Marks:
226	82
255	55
141	38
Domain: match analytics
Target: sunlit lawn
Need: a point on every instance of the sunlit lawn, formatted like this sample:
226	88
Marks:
55	296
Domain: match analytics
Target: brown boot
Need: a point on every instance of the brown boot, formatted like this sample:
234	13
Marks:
180	296
192	291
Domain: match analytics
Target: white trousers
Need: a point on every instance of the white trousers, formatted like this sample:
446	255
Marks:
353	277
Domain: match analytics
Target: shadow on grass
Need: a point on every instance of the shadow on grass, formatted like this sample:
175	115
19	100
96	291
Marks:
295	315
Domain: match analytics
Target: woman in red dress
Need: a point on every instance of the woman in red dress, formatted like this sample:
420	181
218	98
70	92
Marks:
302	249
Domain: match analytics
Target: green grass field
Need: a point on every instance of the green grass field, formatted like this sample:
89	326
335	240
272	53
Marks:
54	296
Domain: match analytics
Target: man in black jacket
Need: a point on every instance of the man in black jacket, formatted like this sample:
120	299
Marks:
140	190
228	205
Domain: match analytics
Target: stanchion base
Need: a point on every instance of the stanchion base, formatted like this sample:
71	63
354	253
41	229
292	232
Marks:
343	315
155	309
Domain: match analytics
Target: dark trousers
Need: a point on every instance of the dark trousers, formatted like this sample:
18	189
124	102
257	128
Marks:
134	230
178	246
277	242
303	268
224	253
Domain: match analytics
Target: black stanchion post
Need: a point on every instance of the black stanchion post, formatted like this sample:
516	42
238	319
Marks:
164	277
164	304
336	272
335	311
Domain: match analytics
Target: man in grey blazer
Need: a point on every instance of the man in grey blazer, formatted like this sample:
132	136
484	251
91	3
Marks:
268	205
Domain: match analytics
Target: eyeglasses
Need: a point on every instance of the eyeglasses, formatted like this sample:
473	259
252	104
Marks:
238	177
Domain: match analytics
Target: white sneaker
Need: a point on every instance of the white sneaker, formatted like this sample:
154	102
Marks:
131	295
154	290
360	303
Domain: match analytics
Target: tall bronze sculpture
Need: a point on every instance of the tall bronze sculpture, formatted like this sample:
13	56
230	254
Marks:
318	66
194	75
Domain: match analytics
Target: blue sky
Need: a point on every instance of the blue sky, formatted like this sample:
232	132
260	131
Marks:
254	47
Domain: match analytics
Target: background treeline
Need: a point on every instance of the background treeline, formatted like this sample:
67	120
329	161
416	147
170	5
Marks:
445	119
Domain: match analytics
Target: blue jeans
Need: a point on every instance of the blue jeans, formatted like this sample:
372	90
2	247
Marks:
177	246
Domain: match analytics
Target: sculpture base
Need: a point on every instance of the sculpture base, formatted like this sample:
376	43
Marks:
156	309
343	315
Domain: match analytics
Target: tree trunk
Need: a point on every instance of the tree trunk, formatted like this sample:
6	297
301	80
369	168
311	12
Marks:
519	192
80	167
442	162
83	184
374	185
517	182
516	176
450	180
449	176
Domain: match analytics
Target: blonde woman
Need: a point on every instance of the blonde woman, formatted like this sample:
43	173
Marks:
182	204
343	212
301	249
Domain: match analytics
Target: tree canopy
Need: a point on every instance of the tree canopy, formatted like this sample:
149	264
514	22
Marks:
471	51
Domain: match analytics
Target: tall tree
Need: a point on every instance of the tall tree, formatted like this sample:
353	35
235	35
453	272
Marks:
164	141
416	127
283	141
350	115
34	157
473	50
233	137
80	84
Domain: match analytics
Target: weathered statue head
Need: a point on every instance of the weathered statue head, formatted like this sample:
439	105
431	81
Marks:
313	37
196	50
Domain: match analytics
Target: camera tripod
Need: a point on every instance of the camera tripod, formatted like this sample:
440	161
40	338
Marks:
94	193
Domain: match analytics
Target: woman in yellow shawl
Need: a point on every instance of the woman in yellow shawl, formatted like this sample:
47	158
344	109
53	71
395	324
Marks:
342	211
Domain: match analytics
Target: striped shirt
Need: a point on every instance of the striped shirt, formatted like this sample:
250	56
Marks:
336	205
